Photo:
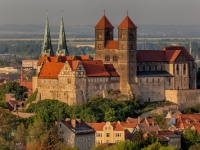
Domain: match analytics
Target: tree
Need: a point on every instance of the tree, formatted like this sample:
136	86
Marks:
190	137
158	146
126	145
110	115
160	120
14	88
20	134
195	147
138	137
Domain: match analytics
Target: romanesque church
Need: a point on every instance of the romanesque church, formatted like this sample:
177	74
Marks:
151	75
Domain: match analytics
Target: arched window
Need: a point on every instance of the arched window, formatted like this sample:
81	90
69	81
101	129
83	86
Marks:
155	67
153	80
143	68
177	69
115	58
149	68
138	68
184	69
107	58
147	80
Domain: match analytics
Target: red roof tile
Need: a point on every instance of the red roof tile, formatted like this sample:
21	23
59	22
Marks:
111	70
95	68
117	126
128	125
183	50
50	70
104	23
127	23
157	55
73	64
112	45
26	84
97	126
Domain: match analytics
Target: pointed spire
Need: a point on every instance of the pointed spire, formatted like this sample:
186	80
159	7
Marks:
62	46
47	47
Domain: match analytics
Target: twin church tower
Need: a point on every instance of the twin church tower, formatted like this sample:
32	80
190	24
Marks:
120	53
62	46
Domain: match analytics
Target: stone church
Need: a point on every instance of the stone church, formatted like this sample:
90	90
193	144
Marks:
151	75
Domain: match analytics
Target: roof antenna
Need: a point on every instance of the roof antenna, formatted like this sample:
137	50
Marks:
104	11
127	12
47	12
62	12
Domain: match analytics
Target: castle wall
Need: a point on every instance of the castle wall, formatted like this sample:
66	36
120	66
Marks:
152	88
183	98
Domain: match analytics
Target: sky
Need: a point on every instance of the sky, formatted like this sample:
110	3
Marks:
89	12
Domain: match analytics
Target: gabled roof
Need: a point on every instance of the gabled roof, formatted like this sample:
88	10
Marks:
128	125
73	64
95	68
112	45
127	23
104	23
97	126
157	55
111	70
50	70
183	50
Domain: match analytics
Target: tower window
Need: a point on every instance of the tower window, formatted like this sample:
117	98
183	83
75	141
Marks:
149	68
184	69
177	69
153	80
147	80
107	58
138	68
115	58
143	68
155	67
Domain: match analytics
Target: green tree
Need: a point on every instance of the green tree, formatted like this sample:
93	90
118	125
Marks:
190	137
126	145
160	120
195	147
138	137
158	146
110	115
14	88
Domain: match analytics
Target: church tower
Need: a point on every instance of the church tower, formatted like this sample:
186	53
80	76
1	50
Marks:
103	34
62	46
127	63
47	47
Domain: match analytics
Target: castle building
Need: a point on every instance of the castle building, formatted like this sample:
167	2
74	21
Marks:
151	75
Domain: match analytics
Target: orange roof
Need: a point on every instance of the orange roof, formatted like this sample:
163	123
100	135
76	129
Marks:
26	84
104	23
157	55
111	70
112	45
83	57
42	59
128	125
95	68
183	50
73	64
117	126
97	126
50	70
127	23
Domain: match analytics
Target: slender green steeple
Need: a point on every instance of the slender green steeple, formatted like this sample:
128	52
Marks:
47	47
62	46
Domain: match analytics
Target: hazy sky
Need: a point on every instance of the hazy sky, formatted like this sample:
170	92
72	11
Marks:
84	12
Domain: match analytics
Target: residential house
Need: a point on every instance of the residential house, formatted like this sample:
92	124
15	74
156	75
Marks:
107	132
75	132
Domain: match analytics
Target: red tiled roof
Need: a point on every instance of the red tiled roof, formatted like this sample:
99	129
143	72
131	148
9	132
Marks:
73	64
157	55
104	23
50	70
128	125
83	57
112	45
95	68
183	50
111	70
42	59
117	126
127	23
26	84
97	126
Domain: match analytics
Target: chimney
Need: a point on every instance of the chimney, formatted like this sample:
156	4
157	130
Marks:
73	122
139	119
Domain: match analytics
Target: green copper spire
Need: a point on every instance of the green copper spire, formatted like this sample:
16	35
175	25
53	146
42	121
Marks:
62	46
47	47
